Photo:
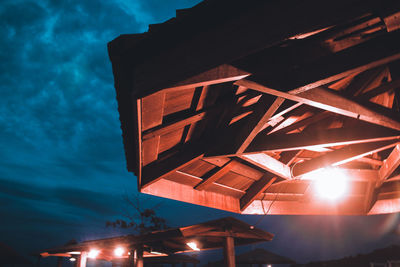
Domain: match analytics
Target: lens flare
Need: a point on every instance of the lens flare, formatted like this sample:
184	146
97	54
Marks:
329	183
119	251
193	245
93	253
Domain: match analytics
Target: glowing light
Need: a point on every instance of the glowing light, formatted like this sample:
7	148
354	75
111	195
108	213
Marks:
72	259
75	252
119	251
329	183
269	265
193	245
93	253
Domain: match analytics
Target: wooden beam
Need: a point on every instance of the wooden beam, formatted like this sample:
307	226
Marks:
278	115
268	163
340	156
256	189
259	118
82	259
229	252
166	128
139	257
161	168
194	180
220	74
322	138
328	100
315	66
385	87
177	191
389	165
304	122
137	108
213	178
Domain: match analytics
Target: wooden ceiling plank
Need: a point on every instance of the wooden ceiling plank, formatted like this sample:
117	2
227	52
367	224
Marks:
340	156
389	165
259	118
269	164
150	149
213	178
161	168
167	128
152	110
285	111
196	180
256	189
330	101
322	138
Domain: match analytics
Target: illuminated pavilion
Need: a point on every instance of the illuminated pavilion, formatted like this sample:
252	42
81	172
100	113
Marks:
161	246
266	107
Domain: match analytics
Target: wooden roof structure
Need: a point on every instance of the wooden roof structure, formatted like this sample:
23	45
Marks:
208	235
231	103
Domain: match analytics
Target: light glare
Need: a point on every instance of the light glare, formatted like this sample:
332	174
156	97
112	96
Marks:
329	183
119	251
72	259
193	245
93	253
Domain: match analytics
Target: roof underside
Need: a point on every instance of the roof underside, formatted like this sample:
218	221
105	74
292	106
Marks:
231	111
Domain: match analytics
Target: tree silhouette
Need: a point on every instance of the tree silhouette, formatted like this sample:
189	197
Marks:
143	220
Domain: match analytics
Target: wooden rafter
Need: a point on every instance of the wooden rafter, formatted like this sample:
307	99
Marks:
385	87
213	178
340	156
259	118
194	180
166	128
220	74
328	100
161	168
269	164
256	189
302	123
389	165
323	138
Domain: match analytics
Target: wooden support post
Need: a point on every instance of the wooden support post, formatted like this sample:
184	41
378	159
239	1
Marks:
131	259
229	252
81	262
389	165
139	257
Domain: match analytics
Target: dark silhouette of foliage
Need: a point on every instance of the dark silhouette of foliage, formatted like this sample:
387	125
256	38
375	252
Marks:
143	220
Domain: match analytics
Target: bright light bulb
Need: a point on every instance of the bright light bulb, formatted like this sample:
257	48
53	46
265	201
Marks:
72	259
193	245
93	253
329	183
119	251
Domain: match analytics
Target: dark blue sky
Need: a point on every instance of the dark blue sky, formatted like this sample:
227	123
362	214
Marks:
62	168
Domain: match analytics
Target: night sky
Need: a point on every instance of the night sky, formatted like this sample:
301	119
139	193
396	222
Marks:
62	169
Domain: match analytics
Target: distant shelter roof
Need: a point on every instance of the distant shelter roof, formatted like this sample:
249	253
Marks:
208	235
